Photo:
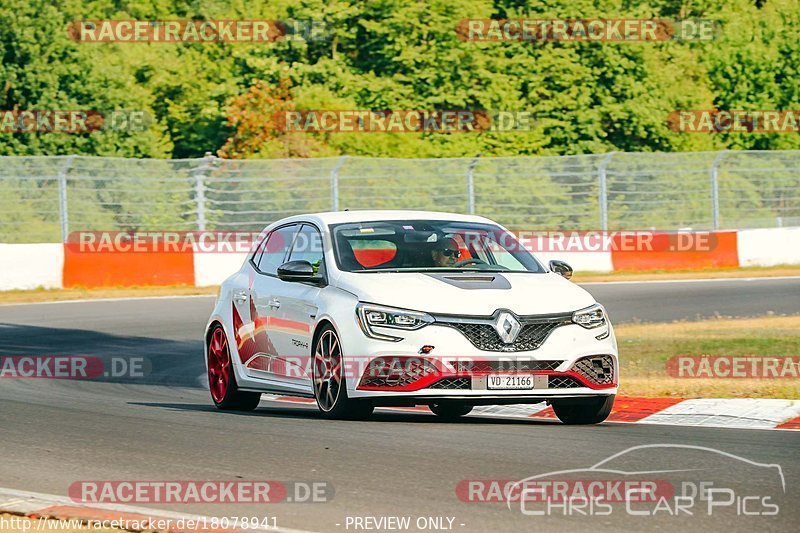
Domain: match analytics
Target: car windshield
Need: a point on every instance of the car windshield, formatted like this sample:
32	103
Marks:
429	245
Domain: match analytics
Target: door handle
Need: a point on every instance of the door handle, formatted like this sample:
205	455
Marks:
240	296
274	303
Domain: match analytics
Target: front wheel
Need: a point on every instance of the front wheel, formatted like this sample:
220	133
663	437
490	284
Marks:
585	410
330	383
450	411
221	379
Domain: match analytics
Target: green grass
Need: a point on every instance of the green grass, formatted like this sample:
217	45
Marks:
646	348
710	273
82	293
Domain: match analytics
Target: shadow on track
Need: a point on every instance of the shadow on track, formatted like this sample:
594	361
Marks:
163	361
310	412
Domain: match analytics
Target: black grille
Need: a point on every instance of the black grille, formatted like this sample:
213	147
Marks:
598	369
508	365
563	382
453	384
484	337
396	372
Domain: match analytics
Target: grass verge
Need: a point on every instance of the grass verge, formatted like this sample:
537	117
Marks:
55	295
645	348
654	275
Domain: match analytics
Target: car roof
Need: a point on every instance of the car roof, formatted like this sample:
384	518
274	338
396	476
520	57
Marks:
340	217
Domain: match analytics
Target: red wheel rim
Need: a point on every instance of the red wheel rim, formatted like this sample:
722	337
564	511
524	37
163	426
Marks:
219	364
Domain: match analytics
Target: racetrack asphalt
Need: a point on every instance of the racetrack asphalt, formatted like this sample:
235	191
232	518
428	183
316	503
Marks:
163	427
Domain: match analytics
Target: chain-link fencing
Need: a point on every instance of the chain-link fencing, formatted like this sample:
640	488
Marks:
42	199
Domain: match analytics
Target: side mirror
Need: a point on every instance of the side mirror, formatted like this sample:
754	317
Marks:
298	271
561	268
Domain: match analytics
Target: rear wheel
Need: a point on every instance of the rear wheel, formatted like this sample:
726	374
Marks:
450	411
221	379
330	383
585	410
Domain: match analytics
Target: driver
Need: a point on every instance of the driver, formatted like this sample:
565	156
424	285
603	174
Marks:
446	253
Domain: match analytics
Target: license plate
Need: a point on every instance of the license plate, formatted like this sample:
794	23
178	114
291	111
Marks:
513	382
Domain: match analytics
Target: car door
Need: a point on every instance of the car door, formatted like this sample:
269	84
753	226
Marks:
264	286
296	312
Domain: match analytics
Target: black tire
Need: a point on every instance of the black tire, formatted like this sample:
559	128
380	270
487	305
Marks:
330	383
450	411
584	411
222	385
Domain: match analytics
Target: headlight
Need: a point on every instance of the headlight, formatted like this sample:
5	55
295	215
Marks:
371	316
591	317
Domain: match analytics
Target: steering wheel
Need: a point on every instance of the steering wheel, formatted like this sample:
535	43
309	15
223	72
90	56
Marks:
471	260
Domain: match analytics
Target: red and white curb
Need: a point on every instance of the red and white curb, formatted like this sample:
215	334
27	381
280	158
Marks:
743	413
58	265
36	505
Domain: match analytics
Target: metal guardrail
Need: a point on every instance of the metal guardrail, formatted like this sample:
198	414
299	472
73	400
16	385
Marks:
42	199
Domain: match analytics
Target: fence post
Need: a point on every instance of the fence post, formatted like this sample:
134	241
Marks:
200	190
715	189
471	185
62	198
335	183
603	193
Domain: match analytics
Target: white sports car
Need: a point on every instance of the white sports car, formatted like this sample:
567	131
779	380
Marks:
360	309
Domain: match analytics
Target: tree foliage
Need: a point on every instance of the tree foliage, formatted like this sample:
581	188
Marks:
588	97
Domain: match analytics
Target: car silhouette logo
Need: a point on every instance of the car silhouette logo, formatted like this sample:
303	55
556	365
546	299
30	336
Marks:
507	327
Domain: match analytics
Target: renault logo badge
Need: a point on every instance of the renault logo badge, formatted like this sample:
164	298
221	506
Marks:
507	327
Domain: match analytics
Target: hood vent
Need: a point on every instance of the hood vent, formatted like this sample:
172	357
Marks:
473	281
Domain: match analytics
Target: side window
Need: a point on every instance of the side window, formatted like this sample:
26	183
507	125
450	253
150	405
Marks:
308	247
275	249
259	250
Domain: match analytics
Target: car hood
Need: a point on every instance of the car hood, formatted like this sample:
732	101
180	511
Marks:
472	293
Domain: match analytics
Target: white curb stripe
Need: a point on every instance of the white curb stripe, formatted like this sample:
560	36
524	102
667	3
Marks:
509	411
738	412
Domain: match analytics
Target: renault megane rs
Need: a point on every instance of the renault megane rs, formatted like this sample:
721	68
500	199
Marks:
361	309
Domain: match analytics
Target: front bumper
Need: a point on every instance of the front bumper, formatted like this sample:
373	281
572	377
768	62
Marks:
455	369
